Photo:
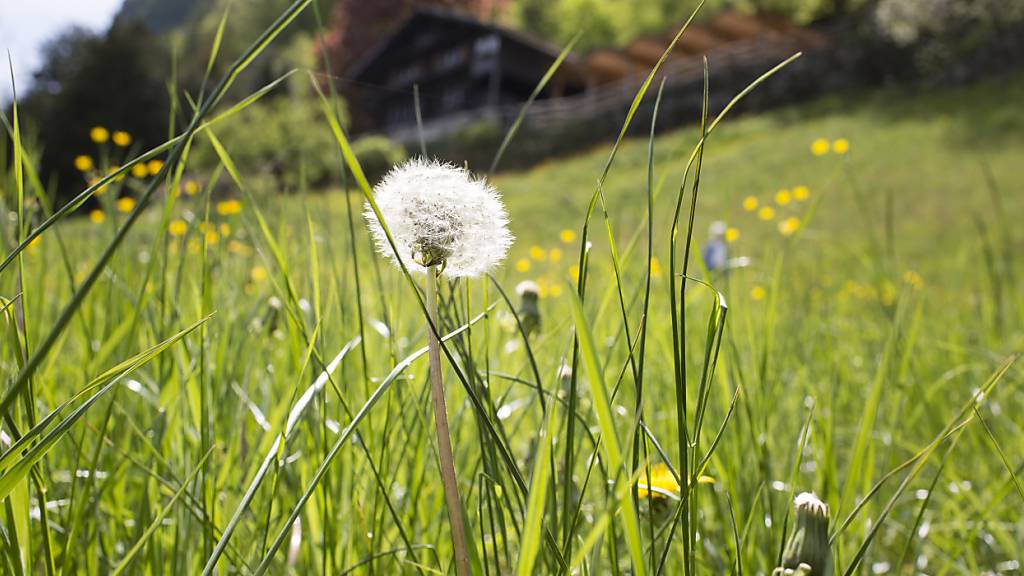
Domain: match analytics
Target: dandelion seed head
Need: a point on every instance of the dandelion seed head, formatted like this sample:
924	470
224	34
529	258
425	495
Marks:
438	214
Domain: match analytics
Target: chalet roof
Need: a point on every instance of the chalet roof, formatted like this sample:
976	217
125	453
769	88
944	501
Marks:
453	22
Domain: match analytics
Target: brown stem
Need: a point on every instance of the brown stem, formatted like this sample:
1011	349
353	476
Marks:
446	460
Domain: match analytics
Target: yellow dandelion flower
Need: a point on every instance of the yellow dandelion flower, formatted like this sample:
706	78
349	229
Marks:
574	271
732	234
229	207
121	138
758	293
750	203
801	193
236	247
660	484
154	166
212	237
819	147
841	146
655	267
555	255
83	163
766	213
522	265
99	134
125	204
191	188
94	181
789	226
567	236
913	279
224	229
537	253
258	274
193	246
555	290
177	227
783	197
97	216
140	171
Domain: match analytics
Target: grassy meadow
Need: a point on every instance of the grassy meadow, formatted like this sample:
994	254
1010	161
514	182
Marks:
247	382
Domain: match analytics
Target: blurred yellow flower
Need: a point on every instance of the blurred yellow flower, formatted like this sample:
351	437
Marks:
914	279
229	207
555	290
574	271
258	274
758	293
819	147
538	253
522	265
177	227
193	246
99	134
83	163
236	247
783	197
750	203
101	189
97	216
655	267
140	171
555	255
121	138
801	193
212	237
789	226
191	188
125	204
154	166
841	146
567	236
766	213
225	229
732	234
660	484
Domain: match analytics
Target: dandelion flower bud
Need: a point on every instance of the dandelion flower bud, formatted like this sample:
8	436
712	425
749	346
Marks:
529	311
439	215
808	545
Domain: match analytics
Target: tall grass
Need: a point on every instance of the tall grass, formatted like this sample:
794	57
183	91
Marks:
176	404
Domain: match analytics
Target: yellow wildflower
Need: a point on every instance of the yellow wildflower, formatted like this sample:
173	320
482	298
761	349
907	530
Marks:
212	237
99	134
574	271
567	236
177	227
819	147
191	188
258	274
789	226
801	193
555	290
225	229
236	247
555	255
766	213
758	293
125	204
83	163
154	166
537	253
121	138
97	216
140	171
522	265
914	279
655	267
660	484
229	207
783	197
732	234
750	203
841	146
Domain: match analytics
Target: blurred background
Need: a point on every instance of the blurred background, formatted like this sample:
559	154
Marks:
112	64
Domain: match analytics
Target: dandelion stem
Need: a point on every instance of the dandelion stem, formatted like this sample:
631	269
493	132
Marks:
444	442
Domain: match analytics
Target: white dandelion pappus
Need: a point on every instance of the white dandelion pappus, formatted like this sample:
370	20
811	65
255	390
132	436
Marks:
438	214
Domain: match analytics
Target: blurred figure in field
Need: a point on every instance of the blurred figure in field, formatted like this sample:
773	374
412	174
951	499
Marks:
716	252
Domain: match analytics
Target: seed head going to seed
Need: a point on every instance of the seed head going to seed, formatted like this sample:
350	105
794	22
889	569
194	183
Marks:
440	215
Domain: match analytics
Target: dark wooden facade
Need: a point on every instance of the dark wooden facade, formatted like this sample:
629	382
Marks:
459	63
